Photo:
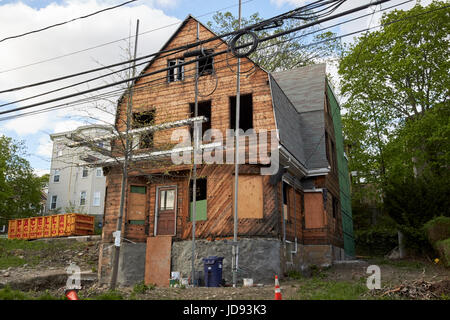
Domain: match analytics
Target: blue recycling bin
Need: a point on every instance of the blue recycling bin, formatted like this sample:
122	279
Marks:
213	271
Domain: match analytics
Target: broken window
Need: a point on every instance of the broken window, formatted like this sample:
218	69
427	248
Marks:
204	109
53	203
82	198
176	72
201	200
141	120
245	112
206	63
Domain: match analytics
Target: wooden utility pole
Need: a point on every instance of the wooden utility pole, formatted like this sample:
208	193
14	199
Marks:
118	236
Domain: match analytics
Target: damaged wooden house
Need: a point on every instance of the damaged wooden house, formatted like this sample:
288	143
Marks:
298	215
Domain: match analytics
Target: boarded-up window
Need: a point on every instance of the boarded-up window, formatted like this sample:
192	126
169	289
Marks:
250	196
201	207
314	211
136	203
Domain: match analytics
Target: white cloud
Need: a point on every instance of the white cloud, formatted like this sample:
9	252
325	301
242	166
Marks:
16	18
45	147
40	172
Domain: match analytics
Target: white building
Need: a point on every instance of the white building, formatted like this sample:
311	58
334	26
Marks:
72	186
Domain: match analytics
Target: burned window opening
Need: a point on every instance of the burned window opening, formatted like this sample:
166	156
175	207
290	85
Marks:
175	72
206	63
245	112
204	109
144	119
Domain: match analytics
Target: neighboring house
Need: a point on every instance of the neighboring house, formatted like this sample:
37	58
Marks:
299	215
72	186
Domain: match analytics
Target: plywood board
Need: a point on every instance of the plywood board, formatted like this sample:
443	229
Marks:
250	196
314	212
157	260
136	206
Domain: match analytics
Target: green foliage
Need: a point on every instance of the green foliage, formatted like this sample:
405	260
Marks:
397	83
110	295
376	240
294	274
316	289
443	248
437	229
279	53
20	189
140	288
411	202
7	293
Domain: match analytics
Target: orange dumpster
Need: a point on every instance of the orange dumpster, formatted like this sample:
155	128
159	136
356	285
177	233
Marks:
60	225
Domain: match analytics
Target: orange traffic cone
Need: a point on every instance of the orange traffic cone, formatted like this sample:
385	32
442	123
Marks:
72	295
277	289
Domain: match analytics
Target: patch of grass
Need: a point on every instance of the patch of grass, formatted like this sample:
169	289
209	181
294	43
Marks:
47	296
7	261
140	288
110	295
403	264
318	289
294	274
7	293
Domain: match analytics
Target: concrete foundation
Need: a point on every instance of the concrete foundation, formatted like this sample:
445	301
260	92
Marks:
259	258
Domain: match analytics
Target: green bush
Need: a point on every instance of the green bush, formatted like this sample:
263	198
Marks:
110	295
443	248
437	229
376	240
9	294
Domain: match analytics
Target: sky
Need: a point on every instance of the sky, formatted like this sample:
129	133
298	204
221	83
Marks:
81	45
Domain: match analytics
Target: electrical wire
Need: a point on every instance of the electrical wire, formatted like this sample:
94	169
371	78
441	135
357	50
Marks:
186	63
114	41
185	47
312	44
65	22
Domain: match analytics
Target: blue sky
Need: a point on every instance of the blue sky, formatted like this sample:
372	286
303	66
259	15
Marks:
16	54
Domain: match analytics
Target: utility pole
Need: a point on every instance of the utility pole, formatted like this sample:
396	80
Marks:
194	180
235	252
117	234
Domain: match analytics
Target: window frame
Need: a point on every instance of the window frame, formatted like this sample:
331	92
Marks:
83	198
83	170
56	173
53	203
175	72
94	204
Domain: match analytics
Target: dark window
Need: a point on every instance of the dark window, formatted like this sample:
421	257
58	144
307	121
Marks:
144	119
85	172
200	197
335	206
56	176
206	64
245	112
204	109
176	72
286	204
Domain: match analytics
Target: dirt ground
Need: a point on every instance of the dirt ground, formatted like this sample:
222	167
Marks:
48	274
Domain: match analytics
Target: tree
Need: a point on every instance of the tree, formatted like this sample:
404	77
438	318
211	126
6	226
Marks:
284	52
20	189
391	77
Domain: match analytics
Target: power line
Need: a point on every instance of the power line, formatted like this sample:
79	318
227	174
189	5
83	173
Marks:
185	47
311	44
65	22
303	35
114	41
189	62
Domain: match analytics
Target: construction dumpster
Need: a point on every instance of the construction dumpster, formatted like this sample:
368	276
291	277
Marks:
59	225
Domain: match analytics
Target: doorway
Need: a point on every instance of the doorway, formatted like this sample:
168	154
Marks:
166	210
